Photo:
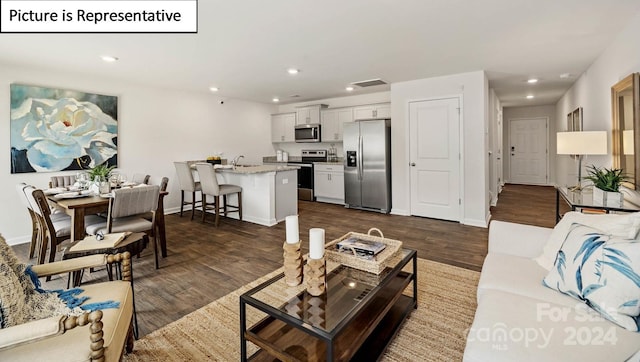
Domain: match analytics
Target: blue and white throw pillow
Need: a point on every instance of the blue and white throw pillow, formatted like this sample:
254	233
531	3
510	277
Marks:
601	270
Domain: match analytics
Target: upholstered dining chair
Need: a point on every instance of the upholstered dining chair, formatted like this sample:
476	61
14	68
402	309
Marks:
210	186
187	184
36	235
53	230
139	178
127	209
60	181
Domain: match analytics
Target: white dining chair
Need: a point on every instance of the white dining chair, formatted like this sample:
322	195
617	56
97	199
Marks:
187	184
127	210
139	178
210	186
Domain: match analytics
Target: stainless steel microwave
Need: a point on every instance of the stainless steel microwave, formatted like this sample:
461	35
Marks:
308	132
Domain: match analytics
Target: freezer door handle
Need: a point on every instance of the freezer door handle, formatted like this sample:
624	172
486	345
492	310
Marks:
360	168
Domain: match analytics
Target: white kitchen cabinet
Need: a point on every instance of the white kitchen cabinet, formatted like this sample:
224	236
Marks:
328	183
283	127
382	110
309	114
332	120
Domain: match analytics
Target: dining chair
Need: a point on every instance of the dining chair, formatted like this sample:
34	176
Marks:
139	178
210	186
60	181
126	212
187	184
53	231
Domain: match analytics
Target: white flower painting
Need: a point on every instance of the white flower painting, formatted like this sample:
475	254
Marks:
55	129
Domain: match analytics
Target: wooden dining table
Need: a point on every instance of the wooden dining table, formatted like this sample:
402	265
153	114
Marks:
79	207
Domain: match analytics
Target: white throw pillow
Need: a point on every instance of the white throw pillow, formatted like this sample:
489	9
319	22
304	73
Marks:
601	270
622	225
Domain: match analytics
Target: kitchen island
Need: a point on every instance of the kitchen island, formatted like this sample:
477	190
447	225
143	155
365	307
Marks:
269	193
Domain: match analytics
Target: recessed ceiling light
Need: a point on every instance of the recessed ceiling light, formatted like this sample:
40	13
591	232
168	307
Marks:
349	89
214	89
530	96
276	100
293	71
565	75
532	81
109	58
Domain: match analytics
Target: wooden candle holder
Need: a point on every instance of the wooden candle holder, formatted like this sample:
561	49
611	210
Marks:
315	276
292	264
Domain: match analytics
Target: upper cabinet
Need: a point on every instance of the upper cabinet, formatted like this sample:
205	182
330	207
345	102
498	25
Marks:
282	127
382	110
332	120
309	114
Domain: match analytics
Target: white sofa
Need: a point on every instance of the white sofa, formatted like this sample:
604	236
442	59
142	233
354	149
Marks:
519	319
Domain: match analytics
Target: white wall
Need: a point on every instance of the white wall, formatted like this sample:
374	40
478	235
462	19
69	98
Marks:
495	146
592	92
549	112
473	87
295	149
156	127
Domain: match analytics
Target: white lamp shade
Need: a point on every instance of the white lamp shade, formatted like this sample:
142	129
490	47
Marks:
627	142
582	143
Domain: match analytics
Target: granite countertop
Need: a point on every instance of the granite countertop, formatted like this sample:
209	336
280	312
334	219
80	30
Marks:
256	169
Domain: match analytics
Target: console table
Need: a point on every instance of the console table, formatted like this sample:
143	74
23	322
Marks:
355	319
583	199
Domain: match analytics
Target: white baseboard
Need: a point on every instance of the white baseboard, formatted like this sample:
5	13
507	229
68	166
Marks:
475	222
400	212
19	240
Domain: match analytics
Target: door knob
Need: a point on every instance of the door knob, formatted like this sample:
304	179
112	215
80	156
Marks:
413	164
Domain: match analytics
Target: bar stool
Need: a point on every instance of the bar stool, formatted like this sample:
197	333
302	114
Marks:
185	179
210	186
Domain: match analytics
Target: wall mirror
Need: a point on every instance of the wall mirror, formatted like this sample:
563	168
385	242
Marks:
625	109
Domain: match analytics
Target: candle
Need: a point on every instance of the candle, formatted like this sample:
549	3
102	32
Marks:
316	243
293	235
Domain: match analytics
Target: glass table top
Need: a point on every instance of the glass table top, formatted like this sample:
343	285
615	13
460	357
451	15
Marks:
584	198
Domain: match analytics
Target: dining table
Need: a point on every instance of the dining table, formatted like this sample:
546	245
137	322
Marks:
79	207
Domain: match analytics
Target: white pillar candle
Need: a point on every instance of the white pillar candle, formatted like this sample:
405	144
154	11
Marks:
293	235
316	243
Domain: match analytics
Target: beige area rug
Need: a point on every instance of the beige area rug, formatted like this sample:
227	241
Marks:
436	331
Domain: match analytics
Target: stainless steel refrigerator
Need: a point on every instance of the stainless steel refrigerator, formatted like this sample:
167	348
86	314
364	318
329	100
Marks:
367	165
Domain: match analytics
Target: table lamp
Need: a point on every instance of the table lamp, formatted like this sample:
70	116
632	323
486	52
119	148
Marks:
580	144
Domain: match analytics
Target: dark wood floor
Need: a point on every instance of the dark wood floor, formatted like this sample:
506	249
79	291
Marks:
205	262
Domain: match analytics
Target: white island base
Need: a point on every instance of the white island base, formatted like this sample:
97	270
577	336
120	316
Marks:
269	193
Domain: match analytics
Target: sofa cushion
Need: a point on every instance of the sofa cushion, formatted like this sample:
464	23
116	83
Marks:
518	275
601	270
510	327
623	225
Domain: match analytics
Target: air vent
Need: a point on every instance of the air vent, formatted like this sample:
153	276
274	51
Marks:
370	83
294	96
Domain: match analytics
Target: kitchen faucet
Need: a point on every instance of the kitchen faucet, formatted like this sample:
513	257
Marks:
236	160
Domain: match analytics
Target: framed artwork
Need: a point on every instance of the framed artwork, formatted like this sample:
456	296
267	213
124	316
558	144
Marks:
57	129
577	119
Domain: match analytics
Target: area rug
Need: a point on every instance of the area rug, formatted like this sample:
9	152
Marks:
436	331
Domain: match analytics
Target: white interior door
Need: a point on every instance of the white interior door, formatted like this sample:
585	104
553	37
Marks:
434	148
528	151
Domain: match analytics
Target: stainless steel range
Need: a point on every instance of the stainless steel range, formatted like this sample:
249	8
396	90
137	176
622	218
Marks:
305	172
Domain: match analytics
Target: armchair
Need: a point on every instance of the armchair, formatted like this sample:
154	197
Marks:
101	335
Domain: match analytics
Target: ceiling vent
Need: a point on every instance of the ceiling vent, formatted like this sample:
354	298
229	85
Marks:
370	82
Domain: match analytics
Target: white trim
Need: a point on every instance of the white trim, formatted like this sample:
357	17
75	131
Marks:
477	223
546	118
407	136
400	212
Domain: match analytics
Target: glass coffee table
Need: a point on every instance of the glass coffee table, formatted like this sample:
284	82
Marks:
355	319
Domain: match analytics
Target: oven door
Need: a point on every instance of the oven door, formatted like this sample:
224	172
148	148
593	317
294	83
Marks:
305	180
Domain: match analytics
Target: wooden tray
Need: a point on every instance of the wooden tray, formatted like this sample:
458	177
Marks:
387	257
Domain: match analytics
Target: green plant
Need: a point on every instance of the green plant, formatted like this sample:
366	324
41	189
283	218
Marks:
606	179
101	170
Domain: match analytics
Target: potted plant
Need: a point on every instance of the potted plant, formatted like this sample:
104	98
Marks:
99	178
606	184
